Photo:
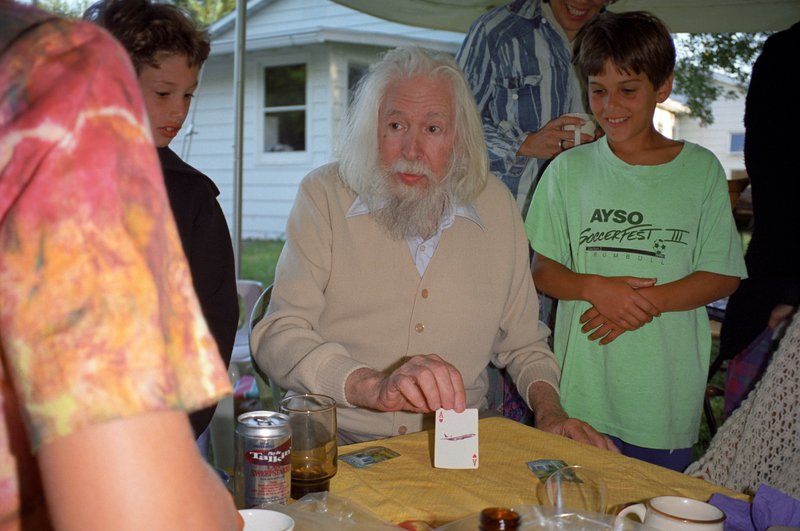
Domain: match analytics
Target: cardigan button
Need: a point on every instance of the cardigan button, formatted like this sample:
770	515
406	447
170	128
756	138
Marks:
425	293
419	327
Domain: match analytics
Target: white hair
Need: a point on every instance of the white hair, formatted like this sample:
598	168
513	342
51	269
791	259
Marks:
358	145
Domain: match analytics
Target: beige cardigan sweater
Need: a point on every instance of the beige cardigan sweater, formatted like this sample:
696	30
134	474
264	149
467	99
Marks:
347	296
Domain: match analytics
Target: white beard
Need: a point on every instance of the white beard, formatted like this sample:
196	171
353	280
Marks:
408	211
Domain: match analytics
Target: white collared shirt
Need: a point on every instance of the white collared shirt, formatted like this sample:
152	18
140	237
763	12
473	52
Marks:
422	250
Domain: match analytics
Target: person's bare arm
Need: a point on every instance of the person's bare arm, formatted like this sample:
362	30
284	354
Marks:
421	384
140	472
616	298
692	291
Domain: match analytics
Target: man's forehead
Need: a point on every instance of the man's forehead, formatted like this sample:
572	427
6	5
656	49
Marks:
429	96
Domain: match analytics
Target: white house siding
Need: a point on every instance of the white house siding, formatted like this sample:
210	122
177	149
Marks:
728	119
326	37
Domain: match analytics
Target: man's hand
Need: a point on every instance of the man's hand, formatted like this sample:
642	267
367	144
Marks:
579	431
422	384
551	139
551	417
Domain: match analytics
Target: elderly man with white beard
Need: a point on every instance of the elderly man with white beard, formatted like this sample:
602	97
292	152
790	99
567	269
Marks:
405	270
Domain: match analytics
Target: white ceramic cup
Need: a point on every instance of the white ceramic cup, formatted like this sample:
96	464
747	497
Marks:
264	519
588	127
676	513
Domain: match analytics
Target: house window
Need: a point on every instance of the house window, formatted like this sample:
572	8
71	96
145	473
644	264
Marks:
285	108
354	74
737	142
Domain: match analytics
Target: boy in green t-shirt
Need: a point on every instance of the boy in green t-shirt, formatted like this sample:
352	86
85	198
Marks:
634	234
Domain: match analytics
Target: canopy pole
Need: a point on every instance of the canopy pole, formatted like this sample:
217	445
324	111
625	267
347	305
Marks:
238	88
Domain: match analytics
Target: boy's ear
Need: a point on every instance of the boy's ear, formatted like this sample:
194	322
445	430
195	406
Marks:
663	92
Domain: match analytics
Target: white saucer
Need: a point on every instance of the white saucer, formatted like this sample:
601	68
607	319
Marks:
266	520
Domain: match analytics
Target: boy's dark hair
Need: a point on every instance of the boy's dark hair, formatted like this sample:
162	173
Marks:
634	41
605	3
149	30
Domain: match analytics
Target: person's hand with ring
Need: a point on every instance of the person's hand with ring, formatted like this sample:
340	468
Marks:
550	140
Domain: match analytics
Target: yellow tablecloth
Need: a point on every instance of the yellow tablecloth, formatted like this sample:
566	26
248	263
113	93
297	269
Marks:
410	488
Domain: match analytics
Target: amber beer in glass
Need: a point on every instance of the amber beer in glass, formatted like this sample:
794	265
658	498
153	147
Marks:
312	419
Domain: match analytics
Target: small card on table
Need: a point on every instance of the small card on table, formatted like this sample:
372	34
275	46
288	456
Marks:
456	439
368	456
543	468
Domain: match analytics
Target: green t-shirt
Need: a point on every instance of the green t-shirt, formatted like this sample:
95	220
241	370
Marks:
596	214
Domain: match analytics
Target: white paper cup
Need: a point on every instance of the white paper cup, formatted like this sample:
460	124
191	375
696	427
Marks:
588	126
264	519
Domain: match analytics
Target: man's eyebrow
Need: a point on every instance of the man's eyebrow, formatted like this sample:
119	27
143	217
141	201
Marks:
438	114
392	112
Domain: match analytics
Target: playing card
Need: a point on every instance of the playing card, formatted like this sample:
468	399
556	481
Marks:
456	439
368	456
542	468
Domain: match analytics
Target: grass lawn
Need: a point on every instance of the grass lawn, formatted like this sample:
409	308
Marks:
258	263
258	260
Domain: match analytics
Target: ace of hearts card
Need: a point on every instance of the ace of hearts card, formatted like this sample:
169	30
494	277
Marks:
456	439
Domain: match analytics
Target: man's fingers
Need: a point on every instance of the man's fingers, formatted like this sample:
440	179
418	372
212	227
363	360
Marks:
428	383
601	441
601	332
614	334
446	389
414	393
582	432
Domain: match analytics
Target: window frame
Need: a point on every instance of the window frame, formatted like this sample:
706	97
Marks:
730	142
282	157
350	64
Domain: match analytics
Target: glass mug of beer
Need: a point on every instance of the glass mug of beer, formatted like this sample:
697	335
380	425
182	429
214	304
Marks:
313	421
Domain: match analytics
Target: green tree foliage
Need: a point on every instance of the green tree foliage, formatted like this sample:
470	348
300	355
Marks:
206	12
203	12
700	55
66	8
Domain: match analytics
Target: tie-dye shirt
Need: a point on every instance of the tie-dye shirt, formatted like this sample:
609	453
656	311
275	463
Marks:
98	317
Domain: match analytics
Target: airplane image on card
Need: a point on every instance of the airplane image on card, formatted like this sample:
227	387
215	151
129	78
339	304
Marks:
458	437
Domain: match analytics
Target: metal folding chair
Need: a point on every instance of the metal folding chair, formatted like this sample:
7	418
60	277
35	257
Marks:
716	312
259	310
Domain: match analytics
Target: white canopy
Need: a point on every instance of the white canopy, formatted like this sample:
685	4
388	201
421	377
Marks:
681	16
